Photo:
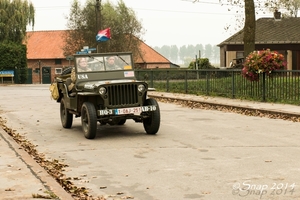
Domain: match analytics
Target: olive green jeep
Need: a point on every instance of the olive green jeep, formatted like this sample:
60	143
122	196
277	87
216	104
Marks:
102	87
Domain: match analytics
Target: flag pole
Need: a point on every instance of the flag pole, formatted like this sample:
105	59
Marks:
98	20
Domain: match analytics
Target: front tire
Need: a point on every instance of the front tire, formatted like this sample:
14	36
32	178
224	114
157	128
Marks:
66	118
122	122
152	123
89	120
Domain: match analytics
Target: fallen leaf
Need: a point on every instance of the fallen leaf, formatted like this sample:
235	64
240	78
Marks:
9	189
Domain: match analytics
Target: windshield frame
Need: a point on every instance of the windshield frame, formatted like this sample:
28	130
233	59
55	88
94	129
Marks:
86	63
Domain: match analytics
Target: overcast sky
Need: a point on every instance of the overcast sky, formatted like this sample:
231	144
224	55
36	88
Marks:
167	22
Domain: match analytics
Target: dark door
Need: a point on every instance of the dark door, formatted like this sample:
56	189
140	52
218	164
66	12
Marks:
46	75
29	76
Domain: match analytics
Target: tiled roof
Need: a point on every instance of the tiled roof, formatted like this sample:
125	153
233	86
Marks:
48	45
271	31
45	44
149	55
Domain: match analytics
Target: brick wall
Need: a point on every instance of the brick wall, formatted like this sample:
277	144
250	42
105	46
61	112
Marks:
36	65
159	65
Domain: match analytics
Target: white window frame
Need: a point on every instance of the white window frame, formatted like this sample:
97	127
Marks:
58	70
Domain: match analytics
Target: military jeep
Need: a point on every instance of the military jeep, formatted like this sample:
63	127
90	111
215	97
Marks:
105	94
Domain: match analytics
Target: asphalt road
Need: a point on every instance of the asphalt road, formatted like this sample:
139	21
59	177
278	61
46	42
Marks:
197	154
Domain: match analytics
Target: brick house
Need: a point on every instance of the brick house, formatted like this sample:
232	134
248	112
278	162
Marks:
277	34
45	58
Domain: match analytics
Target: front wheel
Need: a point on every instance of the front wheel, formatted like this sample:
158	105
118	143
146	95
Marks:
66	118
89	120
121	122
152	122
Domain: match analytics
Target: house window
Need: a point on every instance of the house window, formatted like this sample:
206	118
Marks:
58	70
239	54
58	61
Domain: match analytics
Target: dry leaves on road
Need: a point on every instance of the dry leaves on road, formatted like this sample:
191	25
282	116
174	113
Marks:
232	109
54	167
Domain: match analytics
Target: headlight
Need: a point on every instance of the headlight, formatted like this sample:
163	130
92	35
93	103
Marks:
102	90
141	88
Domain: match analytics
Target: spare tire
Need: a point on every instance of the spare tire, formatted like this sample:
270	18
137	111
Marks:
68	70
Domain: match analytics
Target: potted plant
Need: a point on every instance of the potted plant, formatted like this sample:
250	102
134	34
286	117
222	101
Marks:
264	61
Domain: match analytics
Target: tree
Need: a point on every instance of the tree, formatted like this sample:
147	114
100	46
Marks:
126	30
250	11
15	15
166	51
174	53
292	6
208	51
216	54
182	52
249	28
249	22
249	25
190	51
74	37
13	57
199	47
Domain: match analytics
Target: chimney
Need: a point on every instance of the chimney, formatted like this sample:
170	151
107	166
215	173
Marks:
277	15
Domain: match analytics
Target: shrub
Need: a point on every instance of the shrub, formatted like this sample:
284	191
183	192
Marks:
203	63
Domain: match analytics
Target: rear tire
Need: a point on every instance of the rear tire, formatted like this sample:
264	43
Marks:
89	120
152	123
68	70
65	117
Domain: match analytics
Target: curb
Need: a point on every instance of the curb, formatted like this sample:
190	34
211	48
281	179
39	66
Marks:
37	171
230	106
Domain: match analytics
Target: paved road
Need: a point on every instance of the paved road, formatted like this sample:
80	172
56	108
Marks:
197	154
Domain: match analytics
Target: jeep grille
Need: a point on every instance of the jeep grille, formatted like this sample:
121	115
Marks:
122	95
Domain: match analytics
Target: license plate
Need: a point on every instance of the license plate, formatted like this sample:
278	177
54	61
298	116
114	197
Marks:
123	111
126	111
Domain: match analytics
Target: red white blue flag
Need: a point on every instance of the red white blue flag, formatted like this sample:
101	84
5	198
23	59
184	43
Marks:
103	35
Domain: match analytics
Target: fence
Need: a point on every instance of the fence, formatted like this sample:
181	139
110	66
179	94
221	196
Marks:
280	86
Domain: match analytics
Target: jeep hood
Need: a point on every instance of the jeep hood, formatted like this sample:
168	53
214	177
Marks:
95	84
